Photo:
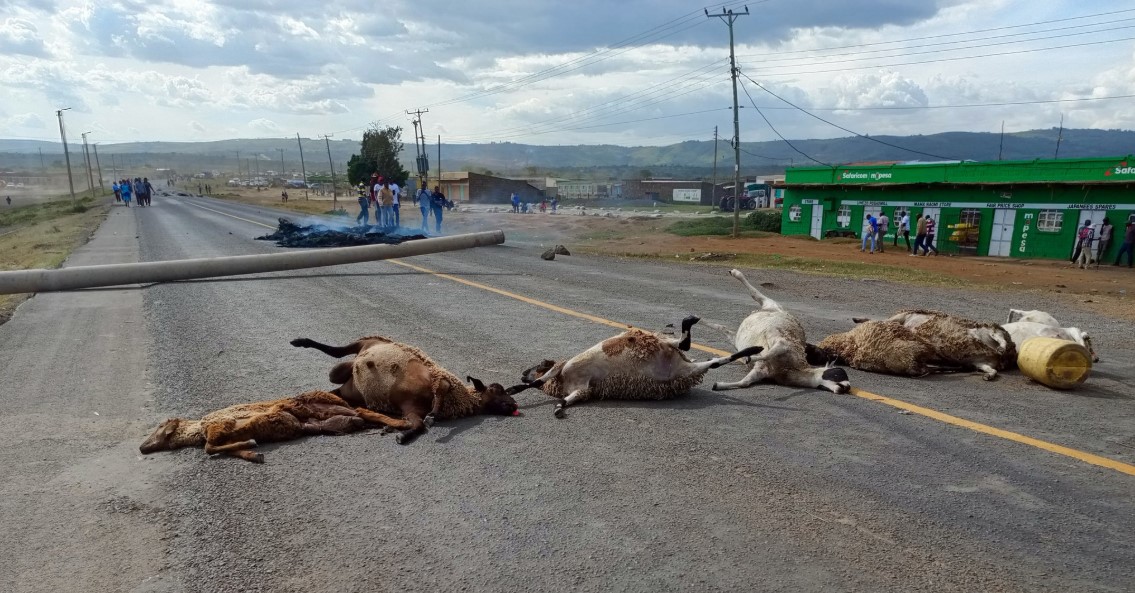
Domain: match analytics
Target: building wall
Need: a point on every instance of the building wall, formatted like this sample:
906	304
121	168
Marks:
487	189
845	208
663	191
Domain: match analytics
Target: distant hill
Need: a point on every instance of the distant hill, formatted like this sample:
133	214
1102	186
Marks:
685	159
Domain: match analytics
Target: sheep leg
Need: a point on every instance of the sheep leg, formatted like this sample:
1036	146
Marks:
435	409
762	301
240	449
990	373
417	428
687	323
336	351
575	397
713	363
335	425
382	419
756	375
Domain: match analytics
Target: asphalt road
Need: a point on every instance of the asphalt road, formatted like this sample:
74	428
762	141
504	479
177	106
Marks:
764	489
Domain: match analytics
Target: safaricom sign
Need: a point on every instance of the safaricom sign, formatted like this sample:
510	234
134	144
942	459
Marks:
865	176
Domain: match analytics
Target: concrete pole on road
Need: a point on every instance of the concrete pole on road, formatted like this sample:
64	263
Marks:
27	281
66	153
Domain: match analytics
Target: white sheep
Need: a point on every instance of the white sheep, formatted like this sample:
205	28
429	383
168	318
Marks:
1023	325
634	365
781	337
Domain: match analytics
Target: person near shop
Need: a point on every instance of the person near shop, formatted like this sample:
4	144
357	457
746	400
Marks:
1084	238
904	228
928	245
870	230
882	226
437	204
386	206
1128	244
1104	241
919	234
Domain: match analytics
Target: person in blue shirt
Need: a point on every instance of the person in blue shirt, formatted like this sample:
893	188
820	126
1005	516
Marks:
870	229
515	202
126	191
437	203
117	191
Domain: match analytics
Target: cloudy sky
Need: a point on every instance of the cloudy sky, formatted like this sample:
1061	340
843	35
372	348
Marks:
585	72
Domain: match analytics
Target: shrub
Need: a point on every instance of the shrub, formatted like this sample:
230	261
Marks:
763	220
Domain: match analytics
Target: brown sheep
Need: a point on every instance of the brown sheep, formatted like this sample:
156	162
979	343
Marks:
634	365
934	342
397	379
235	430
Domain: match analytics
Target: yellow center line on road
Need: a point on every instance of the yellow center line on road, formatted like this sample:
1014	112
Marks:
1084	456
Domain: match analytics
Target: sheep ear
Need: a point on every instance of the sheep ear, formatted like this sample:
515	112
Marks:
477	384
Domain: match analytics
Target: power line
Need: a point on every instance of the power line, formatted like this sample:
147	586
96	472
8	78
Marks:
777	132
961	106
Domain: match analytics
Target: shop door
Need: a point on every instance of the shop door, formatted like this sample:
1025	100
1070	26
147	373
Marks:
817	220
1096	217
1001	239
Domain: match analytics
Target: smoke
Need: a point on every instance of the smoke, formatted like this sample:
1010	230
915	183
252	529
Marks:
320	234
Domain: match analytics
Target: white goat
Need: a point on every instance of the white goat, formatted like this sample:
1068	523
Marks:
1023	325
781	337
633	365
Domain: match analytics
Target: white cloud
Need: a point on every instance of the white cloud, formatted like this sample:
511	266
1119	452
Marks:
20	36
197	127
265	126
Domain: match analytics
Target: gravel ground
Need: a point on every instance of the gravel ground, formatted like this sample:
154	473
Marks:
769	488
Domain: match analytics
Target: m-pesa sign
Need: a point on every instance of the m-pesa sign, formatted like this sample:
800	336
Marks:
847	175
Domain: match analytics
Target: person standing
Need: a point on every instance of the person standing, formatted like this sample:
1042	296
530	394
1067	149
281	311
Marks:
397	191
904	228
437	203
386	205
515	203
869	231
883	225
1084	240
555	203
364	207
425	198
919	235
375	189
929	244
117	191
1128	244
149	189
1104	242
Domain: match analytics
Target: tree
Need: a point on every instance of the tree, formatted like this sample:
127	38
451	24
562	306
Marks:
378	154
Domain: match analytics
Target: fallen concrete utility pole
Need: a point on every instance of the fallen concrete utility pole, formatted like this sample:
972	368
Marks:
189	269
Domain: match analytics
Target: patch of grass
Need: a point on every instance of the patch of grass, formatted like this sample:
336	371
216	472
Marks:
23	215
44	238
295	203
715	226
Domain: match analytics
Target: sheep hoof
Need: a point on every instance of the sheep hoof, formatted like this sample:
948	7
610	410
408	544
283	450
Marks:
401	439
428	421
989	377
301	342
559	412
256	458
714	386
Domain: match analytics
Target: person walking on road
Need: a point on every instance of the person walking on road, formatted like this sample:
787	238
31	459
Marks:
148	190
117	192
904	228
424	199
437	203
919	235
928	245
870	230
883	224
1128	244
125	187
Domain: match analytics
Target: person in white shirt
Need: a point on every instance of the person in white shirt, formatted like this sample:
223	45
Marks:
397	192
904	228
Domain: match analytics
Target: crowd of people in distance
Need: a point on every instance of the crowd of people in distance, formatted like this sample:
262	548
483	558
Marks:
139	189
521	207
875	227
385	196
1086	236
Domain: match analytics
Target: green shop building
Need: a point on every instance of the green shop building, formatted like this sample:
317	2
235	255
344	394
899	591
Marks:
1028	209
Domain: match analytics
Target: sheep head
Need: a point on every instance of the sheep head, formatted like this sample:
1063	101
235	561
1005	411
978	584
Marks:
173	433
495	399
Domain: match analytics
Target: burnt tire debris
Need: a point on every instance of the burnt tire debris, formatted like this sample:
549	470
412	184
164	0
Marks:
290	234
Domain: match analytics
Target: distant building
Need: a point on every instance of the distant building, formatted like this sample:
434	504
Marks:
672	191
582	190
477	188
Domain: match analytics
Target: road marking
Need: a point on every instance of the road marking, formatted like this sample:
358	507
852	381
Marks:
230	215
1084	456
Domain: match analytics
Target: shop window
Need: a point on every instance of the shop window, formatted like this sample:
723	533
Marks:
794	213
1050	221
843	217
971	216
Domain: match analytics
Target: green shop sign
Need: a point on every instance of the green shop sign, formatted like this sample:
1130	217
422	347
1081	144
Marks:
1119	169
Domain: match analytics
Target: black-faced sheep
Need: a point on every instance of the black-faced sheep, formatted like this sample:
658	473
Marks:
937	342
397	379
634	365
783	360
235	430
1023	325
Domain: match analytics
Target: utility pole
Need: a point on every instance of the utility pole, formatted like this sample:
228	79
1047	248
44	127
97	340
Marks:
102	187
439	160
66	153
334	190
729	17
42	167
421	161
90	174
303	168
1059	137
713	192
1001	147
281	162
238	167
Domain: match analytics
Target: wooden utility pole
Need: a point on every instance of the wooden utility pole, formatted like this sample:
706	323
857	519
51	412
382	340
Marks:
281	163
730	17
1059	137
99	166
334	190
90	174
66	153
713	191
303	167
421	161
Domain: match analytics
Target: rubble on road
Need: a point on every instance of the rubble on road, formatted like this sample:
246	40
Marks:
290	234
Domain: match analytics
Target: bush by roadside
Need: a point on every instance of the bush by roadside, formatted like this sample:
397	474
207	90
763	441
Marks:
755	224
